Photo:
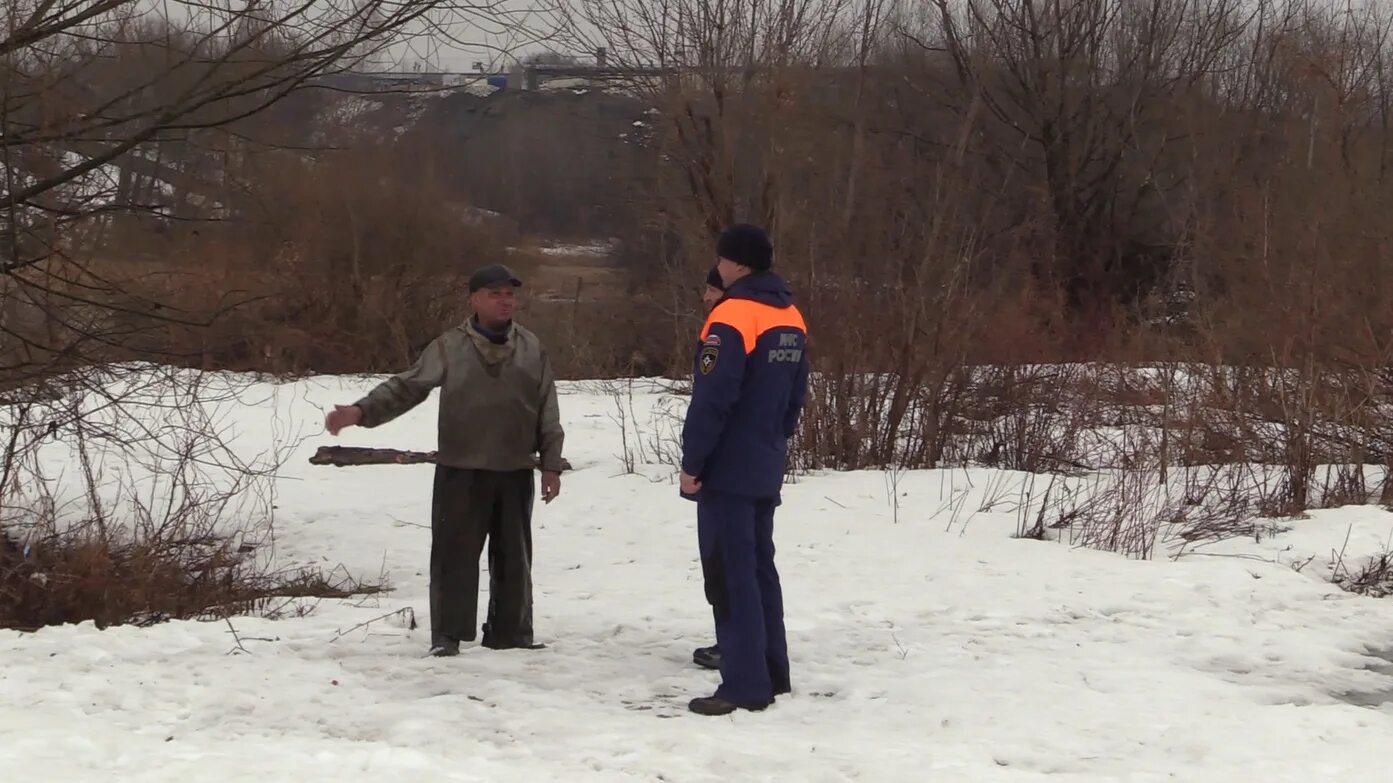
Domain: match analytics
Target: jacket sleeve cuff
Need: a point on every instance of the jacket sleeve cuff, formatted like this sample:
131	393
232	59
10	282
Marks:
692	467
369	419
551	462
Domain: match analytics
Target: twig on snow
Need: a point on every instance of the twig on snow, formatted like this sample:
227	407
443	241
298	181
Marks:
407	612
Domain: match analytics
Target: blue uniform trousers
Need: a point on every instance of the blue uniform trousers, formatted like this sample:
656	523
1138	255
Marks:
736	536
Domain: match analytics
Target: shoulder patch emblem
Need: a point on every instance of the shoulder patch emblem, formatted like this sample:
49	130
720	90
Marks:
712	339
707	362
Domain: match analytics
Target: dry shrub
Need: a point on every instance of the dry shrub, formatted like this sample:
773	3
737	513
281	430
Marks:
1034	417
156	517
73	577
1135	509
1374	578
1345	485
602	340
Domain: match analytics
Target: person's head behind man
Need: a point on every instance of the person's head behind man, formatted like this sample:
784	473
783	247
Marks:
715	289
743	250
493	296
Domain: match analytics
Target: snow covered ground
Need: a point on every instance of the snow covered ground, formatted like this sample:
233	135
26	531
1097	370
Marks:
927	643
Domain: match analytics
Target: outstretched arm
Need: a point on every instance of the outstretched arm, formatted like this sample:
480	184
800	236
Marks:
404	391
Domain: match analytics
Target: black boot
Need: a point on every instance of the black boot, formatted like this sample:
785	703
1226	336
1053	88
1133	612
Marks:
707	657
493	645
494	642
715	705
445	648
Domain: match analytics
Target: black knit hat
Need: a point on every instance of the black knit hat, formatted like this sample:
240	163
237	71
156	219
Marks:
713	279
746	245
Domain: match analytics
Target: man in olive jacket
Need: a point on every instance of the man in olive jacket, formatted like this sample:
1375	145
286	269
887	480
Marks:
497	410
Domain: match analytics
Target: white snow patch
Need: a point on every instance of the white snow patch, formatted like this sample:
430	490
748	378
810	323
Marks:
595	249
927	644
348	108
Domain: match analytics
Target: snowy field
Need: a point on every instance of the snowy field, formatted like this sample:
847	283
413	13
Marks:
927	643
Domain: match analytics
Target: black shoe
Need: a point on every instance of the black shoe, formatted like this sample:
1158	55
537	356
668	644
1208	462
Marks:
707	657
492	645
445	649
715	705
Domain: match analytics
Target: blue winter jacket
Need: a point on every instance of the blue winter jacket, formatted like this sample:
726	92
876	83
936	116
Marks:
750	382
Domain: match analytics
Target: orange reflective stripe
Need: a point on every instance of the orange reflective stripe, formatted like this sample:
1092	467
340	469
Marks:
752	319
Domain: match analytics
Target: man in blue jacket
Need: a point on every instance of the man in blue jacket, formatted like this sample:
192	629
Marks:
750	382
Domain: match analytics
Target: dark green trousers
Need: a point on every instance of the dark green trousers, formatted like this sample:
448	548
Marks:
467	507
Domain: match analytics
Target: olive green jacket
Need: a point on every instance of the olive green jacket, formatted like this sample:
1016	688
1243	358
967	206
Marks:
497	401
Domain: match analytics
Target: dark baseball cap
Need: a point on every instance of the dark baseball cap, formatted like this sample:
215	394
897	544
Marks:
492	276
